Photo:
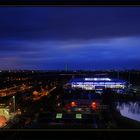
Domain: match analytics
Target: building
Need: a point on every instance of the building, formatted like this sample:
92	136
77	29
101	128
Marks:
98	83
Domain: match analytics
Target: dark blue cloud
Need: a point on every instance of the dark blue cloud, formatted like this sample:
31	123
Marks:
82	37
68	22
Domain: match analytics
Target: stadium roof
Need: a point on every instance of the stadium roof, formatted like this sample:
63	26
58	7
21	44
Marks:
94	79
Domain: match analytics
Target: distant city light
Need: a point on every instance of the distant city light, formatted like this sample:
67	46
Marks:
73	104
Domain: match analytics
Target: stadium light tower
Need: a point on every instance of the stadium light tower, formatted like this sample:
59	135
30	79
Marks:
129	76
118	74
66	67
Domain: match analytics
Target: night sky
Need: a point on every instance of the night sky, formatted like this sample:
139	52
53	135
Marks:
48	38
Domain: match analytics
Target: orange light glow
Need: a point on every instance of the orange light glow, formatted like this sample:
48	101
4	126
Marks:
93	105
73	104
3	121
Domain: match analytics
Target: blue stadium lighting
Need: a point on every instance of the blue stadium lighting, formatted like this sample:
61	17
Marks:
99	83
97	79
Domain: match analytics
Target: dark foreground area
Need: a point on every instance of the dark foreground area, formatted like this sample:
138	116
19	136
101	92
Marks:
39	109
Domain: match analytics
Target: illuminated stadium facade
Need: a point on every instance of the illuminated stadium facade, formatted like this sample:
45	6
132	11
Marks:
98	83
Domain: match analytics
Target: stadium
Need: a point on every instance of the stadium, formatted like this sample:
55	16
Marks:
98	83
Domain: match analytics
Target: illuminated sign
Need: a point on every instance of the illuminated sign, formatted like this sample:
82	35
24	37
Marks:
58	115
78	116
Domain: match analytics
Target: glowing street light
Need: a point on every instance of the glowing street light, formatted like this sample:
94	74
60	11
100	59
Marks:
14	104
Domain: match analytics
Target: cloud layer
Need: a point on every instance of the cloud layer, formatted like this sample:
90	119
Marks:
82	37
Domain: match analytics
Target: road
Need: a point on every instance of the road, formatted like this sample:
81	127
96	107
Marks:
13	90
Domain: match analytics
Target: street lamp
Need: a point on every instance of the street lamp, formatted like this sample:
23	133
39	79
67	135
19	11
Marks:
14	104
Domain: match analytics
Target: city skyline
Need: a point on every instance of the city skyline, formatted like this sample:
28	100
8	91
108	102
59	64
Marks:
88	38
